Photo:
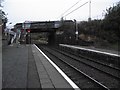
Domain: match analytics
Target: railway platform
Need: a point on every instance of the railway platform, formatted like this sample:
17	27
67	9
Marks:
27	67
93	49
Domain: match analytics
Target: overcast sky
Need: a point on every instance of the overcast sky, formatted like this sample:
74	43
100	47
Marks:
45	10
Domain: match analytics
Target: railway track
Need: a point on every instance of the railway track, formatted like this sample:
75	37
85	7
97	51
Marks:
110	70
85	75
112	61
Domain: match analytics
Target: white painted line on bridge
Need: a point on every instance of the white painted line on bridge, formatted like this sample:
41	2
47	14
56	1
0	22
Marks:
60	71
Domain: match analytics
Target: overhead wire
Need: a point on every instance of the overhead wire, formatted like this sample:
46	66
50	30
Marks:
75	9
70	7
61	16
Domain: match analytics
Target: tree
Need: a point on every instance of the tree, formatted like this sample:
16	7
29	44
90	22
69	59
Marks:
111	24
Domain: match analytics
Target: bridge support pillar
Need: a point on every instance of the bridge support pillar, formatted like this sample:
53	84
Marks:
28	38
51	38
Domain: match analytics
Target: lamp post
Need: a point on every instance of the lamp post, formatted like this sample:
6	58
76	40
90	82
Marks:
24	32
89	19
76	31
26	26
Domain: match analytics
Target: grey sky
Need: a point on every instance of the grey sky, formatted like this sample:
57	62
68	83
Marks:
45	10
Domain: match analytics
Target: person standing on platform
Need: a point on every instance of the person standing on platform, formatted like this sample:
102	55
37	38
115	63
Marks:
12	34
6	32
18	35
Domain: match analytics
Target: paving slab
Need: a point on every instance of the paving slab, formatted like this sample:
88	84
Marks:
49	76
32	75
15	61
19	68
25	67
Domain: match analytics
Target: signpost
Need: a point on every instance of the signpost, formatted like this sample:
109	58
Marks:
26	26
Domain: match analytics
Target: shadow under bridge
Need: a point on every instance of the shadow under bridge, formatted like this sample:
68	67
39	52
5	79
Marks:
49	27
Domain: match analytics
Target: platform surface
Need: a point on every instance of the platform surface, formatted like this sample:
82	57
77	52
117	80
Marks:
25	67
93	49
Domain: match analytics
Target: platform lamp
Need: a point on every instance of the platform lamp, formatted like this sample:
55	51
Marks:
89	19
76	30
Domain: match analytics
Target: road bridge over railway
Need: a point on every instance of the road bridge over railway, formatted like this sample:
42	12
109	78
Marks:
50	27
40	26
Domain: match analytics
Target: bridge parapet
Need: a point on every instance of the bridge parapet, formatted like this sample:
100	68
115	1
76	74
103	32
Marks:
42	25
45	25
